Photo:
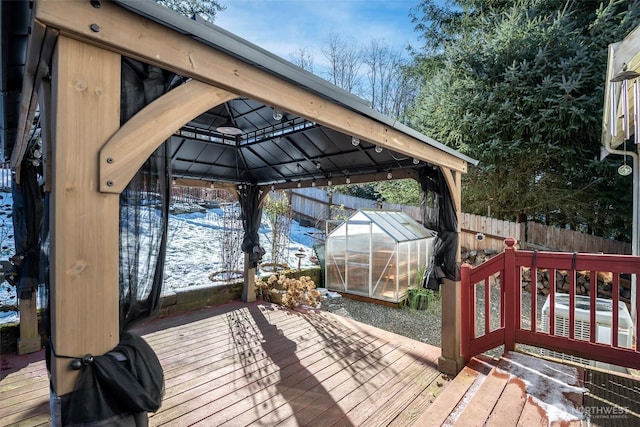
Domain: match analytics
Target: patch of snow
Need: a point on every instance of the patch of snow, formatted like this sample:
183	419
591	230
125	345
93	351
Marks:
194	252
328	294
8	317
549	384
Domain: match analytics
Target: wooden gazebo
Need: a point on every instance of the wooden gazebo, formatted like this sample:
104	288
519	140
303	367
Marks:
63	62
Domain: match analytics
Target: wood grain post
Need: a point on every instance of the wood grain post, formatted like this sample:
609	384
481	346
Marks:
84	222
29	340
451	361
512	292
249	288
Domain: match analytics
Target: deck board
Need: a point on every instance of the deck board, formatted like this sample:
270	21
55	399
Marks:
258	364
510	405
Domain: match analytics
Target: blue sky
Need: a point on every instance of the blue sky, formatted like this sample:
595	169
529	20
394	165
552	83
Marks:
285	26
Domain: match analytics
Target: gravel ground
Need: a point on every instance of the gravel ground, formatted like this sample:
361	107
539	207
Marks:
420	325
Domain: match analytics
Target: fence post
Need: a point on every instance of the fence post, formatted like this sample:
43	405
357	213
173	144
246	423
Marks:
509	288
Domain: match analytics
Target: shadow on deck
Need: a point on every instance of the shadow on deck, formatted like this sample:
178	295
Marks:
259	364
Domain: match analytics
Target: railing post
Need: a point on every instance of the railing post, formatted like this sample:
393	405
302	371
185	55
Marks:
466	305
510	289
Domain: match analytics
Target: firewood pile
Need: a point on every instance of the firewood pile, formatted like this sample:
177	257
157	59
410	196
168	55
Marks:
562	279
476	257
583	283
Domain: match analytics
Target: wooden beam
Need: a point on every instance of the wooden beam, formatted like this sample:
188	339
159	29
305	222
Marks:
455	190
84	222
137	139
46	131
39	52
132	35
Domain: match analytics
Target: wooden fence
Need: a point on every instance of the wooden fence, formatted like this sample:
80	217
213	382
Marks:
477	232
553	238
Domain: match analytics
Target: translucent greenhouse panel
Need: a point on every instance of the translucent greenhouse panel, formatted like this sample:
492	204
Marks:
403	267
357	262
384	263
415	263
358	279
335	263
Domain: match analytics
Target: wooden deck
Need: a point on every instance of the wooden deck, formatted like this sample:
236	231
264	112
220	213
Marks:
258	364
242	364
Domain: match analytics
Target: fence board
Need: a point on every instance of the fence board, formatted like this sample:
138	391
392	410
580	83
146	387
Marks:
314	203
554	238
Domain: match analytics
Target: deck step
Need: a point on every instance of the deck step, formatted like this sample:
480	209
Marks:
460	388
517	389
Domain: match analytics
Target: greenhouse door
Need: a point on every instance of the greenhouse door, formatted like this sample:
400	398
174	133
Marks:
358	258
348	258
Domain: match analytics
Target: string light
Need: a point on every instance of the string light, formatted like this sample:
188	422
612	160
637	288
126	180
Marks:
378	149
355	141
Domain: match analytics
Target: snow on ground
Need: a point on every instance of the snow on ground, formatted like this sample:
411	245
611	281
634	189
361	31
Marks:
194	251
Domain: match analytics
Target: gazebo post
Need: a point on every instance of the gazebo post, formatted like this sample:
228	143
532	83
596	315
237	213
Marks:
451	361
249	287
84	222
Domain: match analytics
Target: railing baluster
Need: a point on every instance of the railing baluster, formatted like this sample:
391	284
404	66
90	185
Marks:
474	311
533	289
552	301
615	310
636	314
501	290
487	306
593	292
572	302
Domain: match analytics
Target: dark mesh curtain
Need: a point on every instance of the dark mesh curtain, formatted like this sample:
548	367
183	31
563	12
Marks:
251	215
27	222
144	210
120	387
439	214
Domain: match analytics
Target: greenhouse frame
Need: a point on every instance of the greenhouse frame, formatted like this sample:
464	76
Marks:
378	255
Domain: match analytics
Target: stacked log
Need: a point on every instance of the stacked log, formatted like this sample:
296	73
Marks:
562	279
582	283
476	257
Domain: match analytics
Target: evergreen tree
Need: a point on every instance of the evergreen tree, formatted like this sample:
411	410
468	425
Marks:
519	86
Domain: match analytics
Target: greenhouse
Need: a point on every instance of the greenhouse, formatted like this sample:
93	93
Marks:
377	254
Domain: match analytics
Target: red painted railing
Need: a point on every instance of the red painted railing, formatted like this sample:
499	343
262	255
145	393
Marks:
506	270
